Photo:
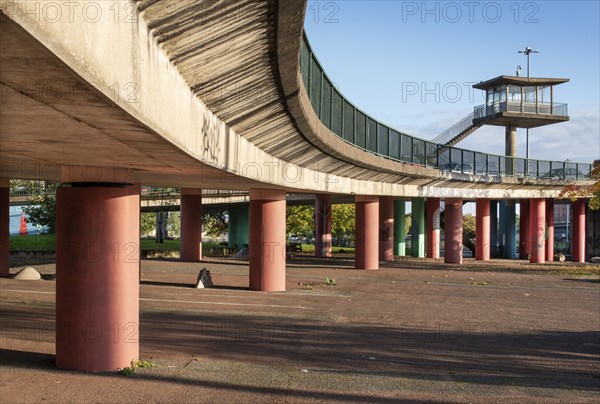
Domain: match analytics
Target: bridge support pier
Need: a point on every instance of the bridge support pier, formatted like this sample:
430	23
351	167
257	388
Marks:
482	229
578	230
510	227
433	227
366	234
418	227
537	227
190	244
267	240
399	228
524	229
323	215
550	229
453	234
97	276
4	227
237	230
493	229
386	228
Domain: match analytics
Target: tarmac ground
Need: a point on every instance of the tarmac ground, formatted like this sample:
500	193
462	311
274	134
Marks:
416	330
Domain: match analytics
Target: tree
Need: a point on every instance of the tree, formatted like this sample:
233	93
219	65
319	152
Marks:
300	221
592	191
147	223
215	223
41	210
343	222
469	231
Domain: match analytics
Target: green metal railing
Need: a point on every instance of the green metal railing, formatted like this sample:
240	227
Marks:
361	130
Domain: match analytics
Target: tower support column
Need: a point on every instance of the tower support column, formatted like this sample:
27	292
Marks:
386	228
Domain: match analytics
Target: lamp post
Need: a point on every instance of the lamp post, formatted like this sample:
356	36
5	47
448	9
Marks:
527	52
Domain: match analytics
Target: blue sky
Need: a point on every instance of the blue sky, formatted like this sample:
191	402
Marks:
411	64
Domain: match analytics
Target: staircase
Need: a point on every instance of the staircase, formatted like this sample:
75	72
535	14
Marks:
458	131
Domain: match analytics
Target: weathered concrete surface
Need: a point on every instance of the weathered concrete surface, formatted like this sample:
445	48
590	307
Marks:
186	94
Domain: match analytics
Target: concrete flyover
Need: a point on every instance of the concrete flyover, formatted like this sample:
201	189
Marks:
106	96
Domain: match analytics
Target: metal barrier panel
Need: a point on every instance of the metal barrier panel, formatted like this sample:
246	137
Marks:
384	140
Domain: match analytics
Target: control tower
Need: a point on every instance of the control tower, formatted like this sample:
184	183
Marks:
519	102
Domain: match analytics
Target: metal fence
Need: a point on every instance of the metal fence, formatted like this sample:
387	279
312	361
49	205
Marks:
359	129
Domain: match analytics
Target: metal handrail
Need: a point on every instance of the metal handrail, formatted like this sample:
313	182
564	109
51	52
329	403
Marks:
454	130
359	129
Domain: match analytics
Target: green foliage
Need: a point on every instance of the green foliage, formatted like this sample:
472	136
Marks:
148	223
343	221
130	370
174	224
469	231
39	242
41	210
407	223
300	221
591	191
330	282
215	223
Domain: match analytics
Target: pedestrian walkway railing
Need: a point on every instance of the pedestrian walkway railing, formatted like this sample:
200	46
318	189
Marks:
356	127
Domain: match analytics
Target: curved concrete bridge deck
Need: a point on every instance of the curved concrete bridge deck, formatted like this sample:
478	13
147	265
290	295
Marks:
106	96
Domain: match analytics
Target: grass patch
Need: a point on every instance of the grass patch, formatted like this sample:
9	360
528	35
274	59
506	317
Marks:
47	242
130	370
310	248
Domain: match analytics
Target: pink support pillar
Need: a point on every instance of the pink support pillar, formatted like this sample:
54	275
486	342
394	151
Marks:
386	228
453	240
433	227
97	278
524	230
267	240
537	225
579	230
323	225
550	230
190	244
4	227
366	233
482	229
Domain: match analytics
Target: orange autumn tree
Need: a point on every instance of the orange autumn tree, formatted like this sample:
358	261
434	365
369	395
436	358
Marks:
592	191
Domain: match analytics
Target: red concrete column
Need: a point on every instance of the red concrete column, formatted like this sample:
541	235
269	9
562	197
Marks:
267	240
453	238
366	233
537	225
482	229
524	230
579	230
190	243
323	225
550	230
4	227
433	227
386	228
97	279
